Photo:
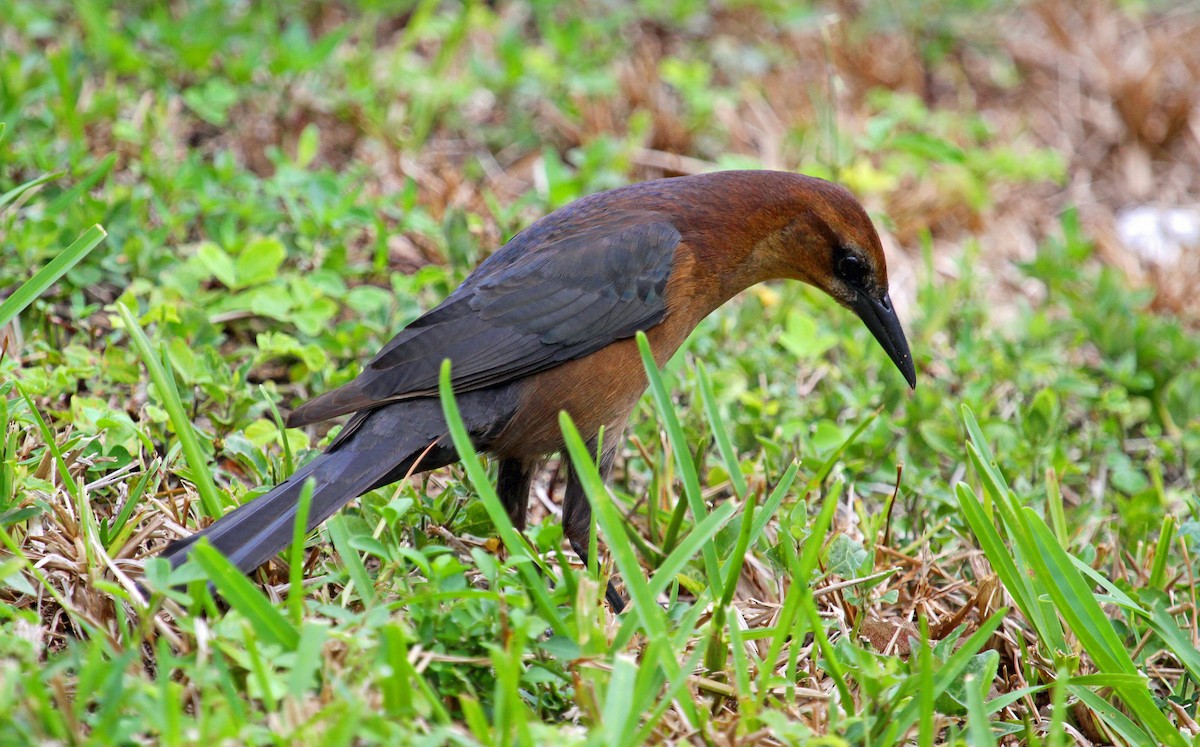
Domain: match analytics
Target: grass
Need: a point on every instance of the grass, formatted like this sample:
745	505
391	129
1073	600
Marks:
211	213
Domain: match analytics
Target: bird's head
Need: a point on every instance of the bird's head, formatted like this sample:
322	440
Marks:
827	240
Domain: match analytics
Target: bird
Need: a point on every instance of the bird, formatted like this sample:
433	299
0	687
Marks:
547	323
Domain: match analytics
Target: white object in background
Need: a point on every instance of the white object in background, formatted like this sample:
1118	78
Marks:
1159	235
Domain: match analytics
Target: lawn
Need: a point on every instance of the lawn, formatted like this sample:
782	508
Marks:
213	211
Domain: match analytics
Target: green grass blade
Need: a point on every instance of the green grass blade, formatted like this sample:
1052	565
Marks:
619	705
64	473
692	544
308	659
1085	680
339	533
21	189
523	556
48	275
1115	595
683	462
182	425
1016	582
1074	600
296	553
1057	585
720	434
979	727
1054	504
674	689
942	679
924	677
119	529
988	467
1058	708
72	195
827	466
801	573
1172	635
766	512
267	622
733	567
395	685
1112	716
645	609
394	652
1039	611
611	523
810	554
259	670
288	467
832	664
475	719
1162	550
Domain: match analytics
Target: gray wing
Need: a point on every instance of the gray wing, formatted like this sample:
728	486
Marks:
558	291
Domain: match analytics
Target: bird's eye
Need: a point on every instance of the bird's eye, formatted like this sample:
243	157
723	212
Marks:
852	270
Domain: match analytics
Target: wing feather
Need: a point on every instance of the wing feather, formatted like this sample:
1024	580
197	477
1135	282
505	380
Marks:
571	284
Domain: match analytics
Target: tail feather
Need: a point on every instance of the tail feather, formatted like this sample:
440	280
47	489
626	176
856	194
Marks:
375	448
259	530
372	456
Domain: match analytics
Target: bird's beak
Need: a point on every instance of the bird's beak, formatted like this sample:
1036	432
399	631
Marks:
880	317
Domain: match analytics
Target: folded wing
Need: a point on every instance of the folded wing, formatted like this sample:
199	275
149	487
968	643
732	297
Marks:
550	295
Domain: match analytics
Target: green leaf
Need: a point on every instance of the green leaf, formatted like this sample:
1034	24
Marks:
848	558
805	338
929	147
219	264
308	145
720	433
259	261
212	100
943	677
978	675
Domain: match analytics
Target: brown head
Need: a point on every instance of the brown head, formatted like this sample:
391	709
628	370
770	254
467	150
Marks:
812	230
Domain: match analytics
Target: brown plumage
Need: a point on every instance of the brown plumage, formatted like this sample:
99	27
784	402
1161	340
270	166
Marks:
547	323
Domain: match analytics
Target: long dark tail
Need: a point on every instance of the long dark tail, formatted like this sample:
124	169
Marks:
256	531
376	448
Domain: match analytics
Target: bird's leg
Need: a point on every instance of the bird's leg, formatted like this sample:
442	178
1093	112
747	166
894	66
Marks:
512	483
577	520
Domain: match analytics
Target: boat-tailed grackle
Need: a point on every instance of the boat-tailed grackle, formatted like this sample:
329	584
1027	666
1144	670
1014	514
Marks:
547	323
